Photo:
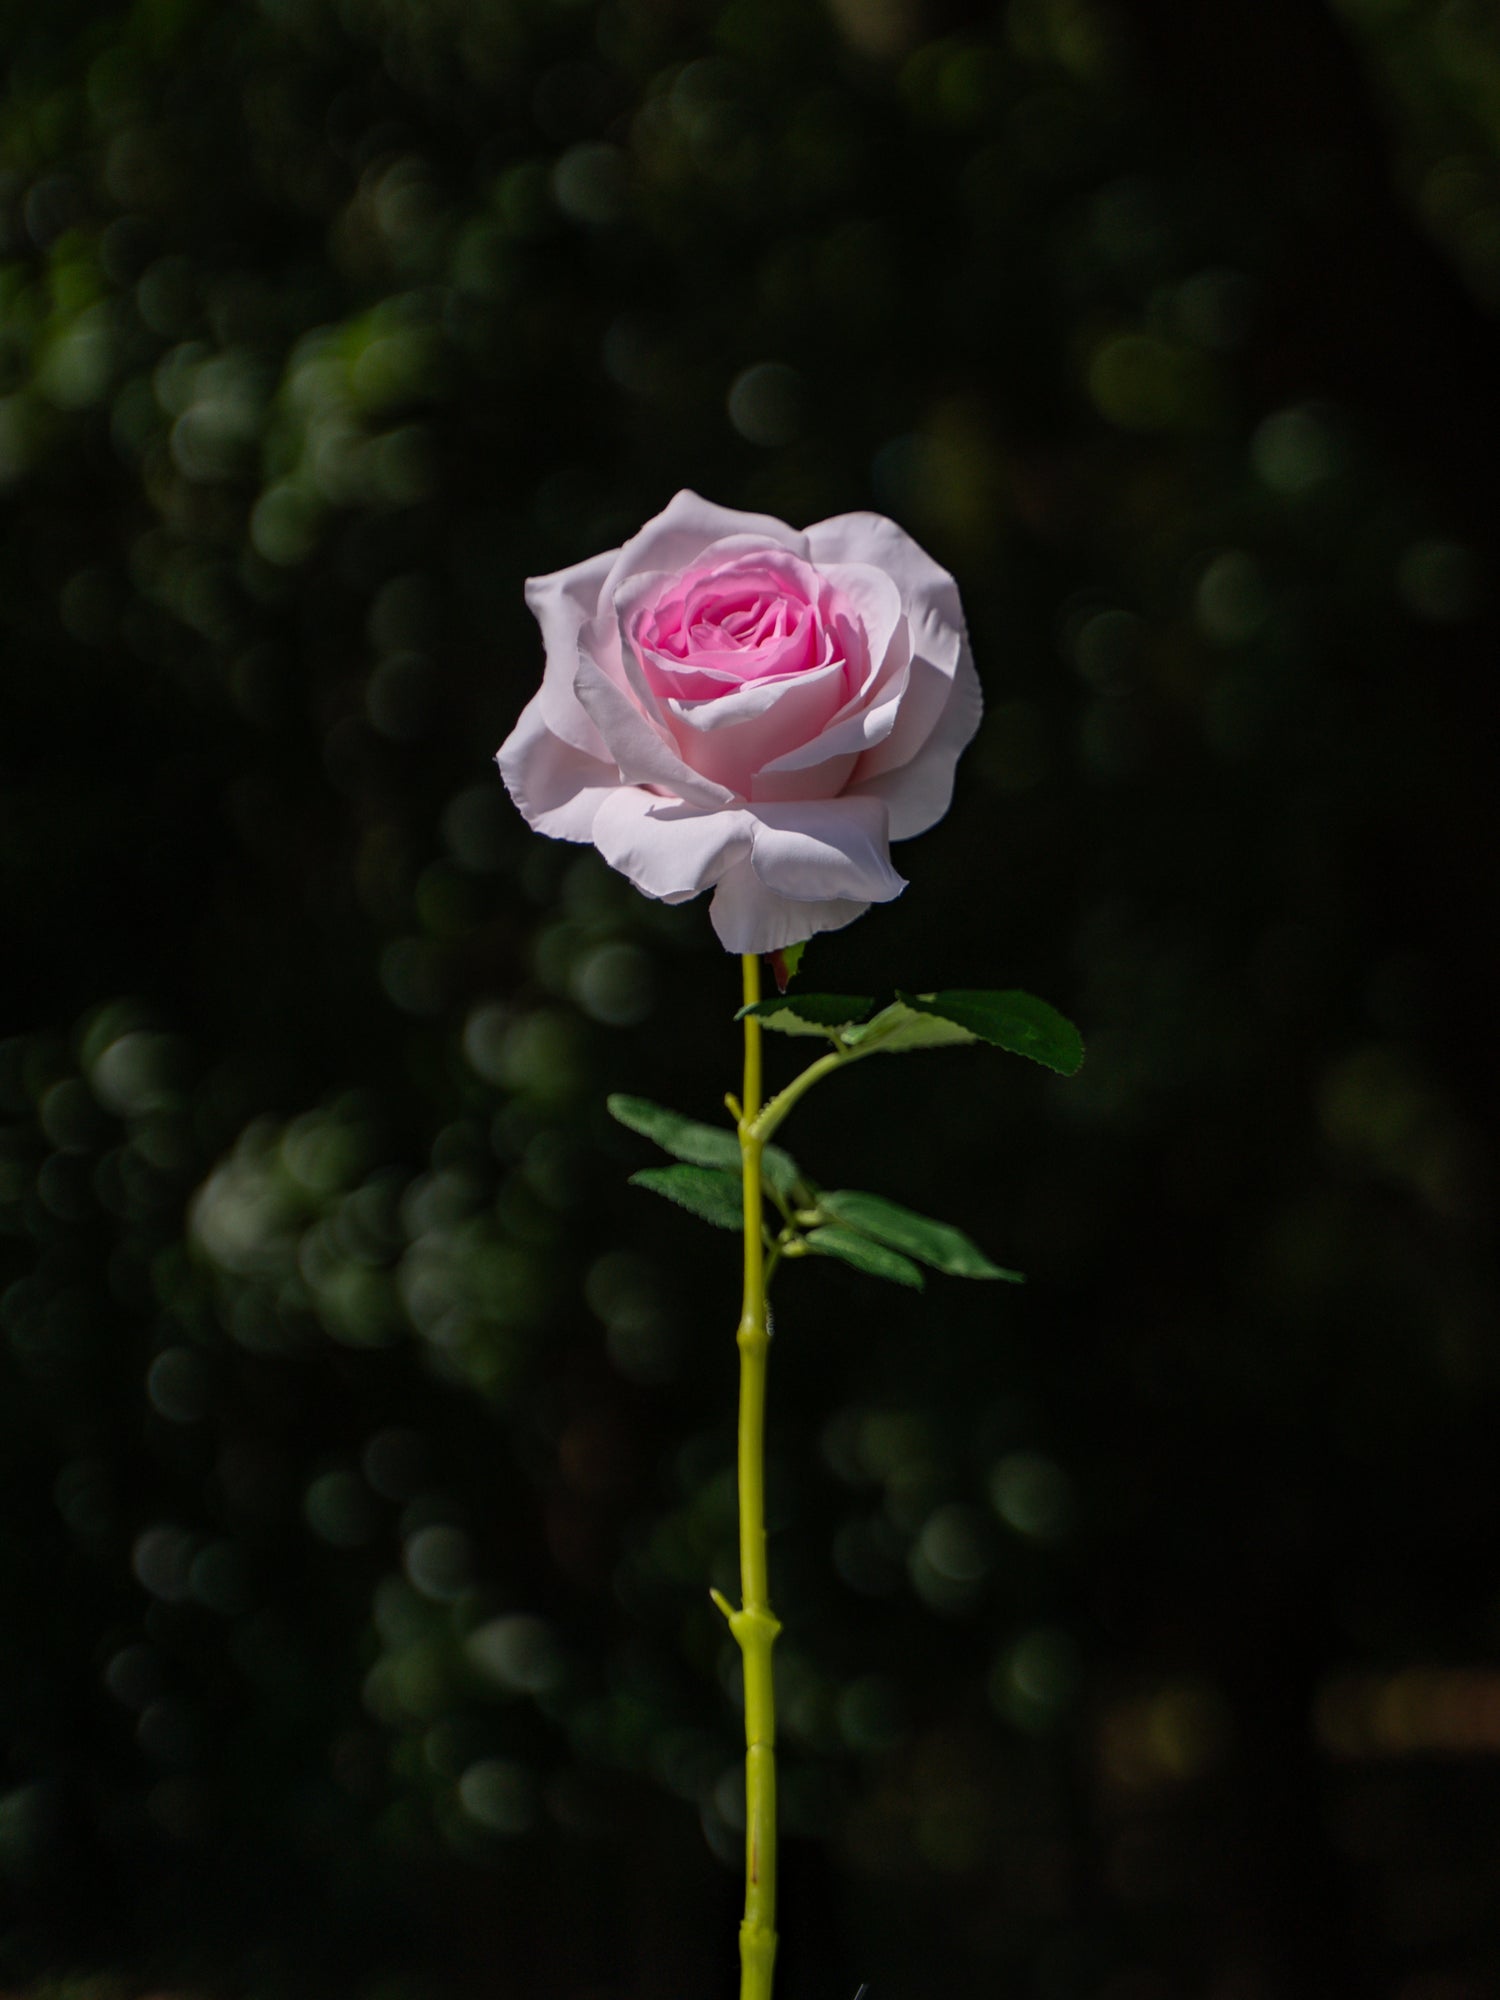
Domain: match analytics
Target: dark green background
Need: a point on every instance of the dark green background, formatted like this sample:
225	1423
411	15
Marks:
365	1440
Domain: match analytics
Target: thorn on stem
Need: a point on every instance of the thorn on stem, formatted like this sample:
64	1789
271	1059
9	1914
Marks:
722	1602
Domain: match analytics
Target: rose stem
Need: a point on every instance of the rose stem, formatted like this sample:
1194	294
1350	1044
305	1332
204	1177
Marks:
753	1626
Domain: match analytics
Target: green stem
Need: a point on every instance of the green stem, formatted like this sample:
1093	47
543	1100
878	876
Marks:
753	1625
771	1116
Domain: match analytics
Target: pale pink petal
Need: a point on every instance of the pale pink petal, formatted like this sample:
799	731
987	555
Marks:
825	779
874	598
863	721
669	851
732	738
769	538
750	700
562	603
688	525
920	791
636	745
873	540
602	654
872	710
557	788
749	917
927	697
934	616
640	591
820	848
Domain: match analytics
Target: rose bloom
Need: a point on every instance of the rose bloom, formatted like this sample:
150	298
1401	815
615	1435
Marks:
730	703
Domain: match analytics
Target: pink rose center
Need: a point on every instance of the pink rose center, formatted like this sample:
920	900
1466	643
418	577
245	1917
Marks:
754	619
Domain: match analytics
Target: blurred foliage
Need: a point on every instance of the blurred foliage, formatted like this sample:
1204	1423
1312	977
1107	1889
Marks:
1436	71
367	1439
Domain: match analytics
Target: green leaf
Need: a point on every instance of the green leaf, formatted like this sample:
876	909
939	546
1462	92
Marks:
809	1013
702	1145
871	1258
936	1243
899	1028
687	1138
1018	1022
782	1173
712	1196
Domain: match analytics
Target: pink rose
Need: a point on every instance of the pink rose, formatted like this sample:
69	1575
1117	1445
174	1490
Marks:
730	703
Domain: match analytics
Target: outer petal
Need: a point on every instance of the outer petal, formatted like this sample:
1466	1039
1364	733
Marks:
557	788
637	746
875	598
826	849
935	617
562	604
686	526
872	539
749	917
920	791
669	851
938	650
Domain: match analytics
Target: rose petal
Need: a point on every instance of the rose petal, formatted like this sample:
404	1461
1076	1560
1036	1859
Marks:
775	604
602	642
669	851
823	780
557	788
749	917
741	564
688	525
561	604
731	738
715	667
939	649
814	849
872	709
751	699
920	791
935	619
865	720
642	754
872	540
875	599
